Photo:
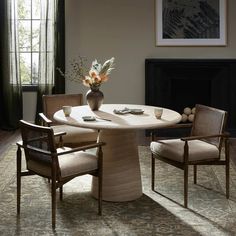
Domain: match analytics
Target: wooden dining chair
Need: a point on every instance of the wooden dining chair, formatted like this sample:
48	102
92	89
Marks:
74	135
203	147
60	165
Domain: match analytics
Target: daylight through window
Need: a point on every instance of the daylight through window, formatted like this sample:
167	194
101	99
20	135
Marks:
35	31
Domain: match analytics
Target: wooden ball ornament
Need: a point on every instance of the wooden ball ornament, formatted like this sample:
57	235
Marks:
187	110
184	118
191	117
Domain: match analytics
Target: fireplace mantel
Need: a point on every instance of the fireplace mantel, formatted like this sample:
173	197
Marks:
176	83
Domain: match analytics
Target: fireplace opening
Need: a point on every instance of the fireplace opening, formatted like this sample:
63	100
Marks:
180	83
186	93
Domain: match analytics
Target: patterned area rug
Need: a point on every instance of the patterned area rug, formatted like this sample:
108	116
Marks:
209	213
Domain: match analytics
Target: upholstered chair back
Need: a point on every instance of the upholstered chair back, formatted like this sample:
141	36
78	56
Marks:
35	139
209	121
53	103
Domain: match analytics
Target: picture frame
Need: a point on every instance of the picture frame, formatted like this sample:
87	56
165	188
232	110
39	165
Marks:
191	23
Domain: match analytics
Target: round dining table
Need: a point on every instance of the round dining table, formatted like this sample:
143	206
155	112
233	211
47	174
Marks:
121	168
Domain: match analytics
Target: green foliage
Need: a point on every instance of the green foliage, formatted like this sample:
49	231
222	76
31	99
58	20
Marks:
77	69
28	36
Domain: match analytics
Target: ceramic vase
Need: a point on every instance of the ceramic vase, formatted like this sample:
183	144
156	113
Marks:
94	98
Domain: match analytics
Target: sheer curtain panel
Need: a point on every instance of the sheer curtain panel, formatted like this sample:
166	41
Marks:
51	53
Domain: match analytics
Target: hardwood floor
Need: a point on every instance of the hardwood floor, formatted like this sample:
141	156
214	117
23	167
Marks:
7	138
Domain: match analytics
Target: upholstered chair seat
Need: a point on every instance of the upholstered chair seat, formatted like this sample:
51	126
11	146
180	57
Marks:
69	164
173	149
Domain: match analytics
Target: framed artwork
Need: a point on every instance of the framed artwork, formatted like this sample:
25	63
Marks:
190	23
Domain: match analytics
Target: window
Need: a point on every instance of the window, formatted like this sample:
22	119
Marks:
28	12
35	39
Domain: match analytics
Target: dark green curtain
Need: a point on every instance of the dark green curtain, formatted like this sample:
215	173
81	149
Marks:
50	81
59	86
10	85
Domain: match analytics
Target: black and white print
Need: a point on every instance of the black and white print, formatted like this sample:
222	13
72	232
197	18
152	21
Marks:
188	22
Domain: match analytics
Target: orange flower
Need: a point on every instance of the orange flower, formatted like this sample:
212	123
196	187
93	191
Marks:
87	81
97	79
104	78
92	74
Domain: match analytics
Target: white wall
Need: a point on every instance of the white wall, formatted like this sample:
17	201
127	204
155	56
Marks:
125	29
29	106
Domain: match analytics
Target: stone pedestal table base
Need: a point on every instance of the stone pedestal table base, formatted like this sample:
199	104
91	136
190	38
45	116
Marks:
121	169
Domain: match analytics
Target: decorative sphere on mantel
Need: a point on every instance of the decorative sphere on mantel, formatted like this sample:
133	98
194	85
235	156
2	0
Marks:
184	118
193	110
191	117
187	110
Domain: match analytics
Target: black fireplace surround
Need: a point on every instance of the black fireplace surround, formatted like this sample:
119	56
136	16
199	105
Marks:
180	83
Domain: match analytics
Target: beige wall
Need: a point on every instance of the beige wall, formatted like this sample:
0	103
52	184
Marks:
29	106
125	29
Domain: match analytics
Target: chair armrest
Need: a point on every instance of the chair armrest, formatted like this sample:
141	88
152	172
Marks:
82	148
176	126
38	150
45	119
59	134
227	134
19	143
204	137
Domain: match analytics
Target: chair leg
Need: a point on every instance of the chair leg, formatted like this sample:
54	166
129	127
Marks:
100	180
186	186
195	174
227	181
100	195
153	172
18	174
53	196
227	167
61	193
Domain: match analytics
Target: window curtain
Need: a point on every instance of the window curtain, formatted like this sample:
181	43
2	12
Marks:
10	84
59	44
52	50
